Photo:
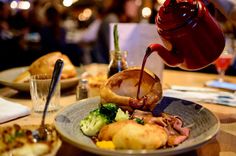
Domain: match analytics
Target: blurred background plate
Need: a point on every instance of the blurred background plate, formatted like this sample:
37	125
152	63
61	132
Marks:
204	126
8	76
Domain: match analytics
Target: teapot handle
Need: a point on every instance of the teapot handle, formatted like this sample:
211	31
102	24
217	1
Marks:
169	57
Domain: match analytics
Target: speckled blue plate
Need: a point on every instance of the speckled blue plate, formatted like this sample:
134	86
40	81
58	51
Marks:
204	126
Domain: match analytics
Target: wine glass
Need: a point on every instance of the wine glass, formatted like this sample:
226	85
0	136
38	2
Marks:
223	62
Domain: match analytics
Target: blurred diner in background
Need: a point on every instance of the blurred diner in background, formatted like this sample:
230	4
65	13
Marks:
80	28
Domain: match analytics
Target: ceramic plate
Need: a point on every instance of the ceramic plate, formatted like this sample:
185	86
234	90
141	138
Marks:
7	77
204	126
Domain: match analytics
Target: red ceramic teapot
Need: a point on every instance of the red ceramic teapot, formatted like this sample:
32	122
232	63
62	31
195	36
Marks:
192	38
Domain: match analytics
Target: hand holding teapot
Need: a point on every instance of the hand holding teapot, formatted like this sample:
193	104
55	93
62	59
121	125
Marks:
192	37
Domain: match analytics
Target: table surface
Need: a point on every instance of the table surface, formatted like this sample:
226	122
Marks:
222	145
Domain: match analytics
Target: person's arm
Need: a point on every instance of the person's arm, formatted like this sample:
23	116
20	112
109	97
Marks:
227	8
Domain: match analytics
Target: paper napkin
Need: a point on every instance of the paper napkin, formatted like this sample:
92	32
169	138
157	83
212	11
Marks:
223	98
11	110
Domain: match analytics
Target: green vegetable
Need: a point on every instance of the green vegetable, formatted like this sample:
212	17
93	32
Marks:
99	117
9	138
139	121
109	110
92	123
121	115
116	38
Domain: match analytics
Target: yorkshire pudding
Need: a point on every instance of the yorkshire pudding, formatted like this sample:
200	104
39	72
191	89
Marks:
122	88
45	65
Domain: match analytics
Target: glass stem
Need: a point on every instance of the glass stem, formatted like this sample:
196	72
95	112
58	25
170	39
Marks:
221	75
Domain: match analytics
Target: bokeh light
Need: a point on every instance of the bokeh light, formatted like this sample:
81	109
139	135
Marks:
146	12
85	14
23	5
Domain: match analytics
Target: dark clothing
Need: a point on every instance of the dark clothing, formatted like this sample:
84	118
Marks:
13	55
50	42
100	52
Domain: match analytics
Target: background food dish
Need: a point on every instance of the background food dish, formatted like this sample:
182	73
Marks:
204	126
8	76
20	141
96	74
45	65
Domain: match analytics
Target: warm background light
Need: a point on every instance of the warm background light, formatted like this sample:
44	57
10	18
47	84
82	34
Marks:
85	15
146	12
13	4
23	5
68	3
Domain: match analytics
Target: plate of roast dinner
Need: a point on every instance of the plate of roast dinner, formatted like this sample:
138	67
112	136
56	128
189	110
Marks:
122	121
18	78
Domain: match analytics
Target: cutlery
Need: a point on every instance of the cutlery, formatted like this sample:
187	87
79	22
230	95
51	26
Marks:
193	89
41	133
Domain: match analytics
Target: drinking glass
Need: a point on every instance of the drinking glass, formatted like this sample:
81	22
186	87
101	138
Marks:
39	88
223	63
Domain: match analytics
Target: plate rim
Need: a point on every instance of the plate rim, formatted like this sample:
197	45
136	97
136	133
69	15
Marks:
25	86
163	152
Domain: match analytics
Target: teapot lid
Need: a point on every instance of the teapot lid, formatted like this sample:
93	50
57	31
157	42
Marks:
176	13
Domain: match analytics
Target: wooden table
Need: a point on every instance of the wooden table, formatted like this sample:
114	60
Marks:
223	145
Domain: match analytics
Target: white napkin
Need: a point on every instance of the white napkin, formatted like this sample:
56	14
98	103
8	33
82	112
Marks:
223	98
11	110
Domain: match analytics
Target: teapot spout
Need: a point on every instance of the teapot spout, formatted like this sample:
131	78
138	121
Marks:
170	58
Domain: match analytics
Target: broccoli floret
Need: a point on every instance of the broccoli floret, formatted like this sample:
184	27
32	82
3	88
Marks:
121	115
109	110
92	123
99	117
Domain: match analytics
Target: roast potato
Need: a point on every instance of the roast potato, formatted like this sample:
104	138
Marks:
128	134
